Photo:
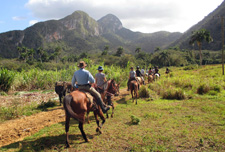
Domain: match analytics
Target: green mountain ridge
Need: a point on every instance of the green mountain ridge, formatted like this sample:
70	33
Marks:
78	33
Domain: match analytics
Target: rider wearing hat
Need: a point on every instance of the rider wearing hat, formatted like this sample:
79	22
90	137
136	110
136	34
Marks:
83	79
132	76
100	78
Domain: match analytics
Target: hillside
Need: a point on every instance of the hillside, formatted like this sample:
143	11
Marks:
79	33
212	23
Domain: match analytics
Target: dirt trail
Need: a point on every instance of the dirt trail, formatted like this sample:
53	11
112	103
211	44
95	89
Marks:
16	130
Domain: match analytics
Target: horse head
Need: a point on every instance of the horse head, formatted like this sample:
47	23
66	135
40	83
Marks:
113	87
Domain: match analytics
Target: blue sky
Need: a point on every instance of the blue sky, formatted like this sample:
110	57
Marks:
138	15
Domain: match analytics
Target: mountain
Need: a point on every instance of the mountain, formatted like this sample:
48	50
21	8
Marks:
212	23
79	33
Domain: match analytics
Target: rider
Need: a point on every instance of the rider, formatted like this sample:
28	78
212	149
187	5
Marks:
83	79
157	70
138	73
167	71
143	71
150	71
100	78
132	75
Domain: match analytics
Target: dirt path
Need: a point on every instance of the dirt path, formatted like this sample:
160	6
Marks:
16	130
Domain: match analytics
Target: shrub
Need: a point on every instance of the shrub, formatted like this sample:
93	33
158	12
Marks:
44	105
6	79
174	94
135	120
217	88
203	89
144	92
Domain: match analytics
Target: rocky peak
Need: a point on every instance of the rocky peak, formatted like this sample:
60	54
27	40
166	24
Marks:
110	23
81	22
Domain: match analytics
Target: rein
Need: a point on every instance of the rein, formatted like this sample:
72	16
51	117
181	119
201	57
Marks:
111	87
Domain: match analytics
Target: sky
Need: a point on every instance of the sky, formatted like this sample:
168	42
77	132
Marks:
146	16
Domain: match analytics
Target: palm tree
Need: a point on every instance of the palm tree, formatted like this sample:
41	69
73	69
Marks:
199	36
40	51
105	51
119	51
57	52
164	57
31	54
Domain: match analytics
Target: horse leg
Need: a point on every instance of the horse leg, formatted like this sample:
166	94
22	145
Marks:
67	126
112	110
60	99
81	127
96	113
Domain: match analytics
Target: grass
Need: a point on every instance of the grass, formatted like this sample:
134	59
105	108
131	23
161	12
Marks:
195	123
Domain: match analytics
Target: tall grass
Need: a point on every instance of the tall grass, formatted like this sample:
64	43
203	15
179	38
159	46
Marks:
6	79
36	78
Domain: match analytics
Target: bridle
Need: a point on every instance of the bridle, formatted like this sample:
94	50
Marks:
112	89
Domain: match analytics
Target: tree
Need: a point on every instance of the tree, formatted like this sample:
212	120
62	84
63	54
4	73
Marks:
105	51
119	51
164	58
40	52
31	54
58	51
199	36
138	50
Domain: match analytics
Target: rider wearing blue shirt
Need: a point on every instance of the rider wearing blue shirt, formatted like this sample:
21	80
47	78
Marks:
83	79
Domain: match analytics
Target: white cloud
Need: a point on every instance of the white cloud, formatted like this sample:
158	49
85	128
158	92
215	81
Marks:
139	15
32	22
18	18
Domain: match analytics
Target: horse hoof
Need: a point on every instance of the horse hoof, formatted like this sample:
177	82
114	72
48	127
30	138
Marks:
86	140
98	130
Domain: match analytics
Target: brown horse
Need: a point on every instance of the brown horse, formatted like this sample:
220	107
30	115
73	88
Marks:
76	105
134	89
111	89
150	78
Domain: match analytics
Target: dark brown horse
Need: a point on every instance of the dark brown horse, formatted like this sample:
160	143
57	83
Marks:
134	89
111	89
76	105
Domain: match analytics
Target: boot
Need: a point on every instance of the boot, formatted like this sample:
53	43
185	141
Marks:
103	106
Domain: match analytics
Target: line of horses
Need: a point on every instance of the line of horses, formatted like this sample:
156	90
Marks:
79	103
135	84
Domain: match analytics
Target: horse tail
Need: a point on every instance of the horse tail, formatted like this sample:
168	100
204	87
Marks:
69	111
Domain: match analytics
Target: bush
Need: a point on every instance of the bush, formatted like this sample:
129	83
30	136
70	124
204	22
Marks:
144	92
6	79
135	120
203	89
44	105
174	94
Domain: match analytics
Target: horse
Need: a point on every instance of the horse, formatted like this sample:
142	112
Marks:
76	104
111	89
150	78
134	89
156	76
60	89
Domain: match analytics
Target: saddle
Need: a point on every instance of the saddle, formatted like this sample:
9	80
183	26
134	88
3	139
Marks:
91	100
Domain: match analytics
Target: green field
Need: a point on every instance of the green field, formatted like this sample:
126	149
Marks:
185	112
